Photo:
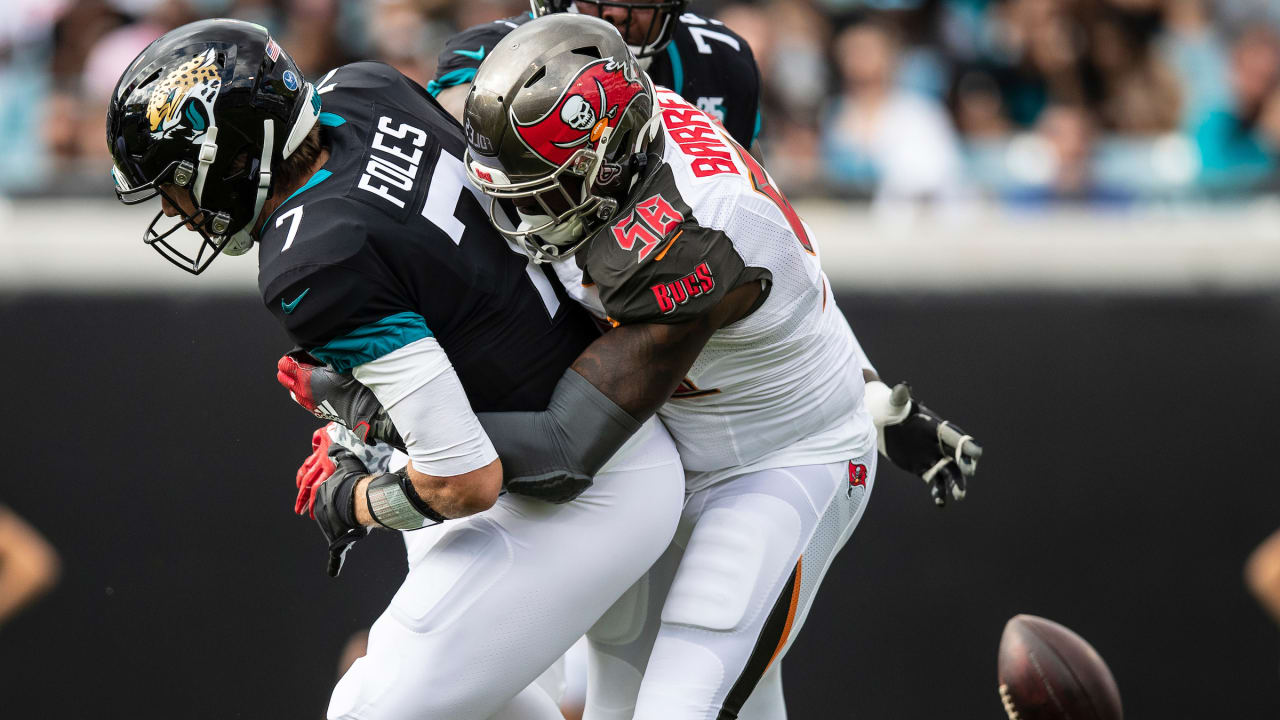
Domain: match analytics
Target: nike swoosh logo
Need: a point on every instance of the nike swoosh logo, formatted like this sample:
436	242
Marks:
473	54
288	307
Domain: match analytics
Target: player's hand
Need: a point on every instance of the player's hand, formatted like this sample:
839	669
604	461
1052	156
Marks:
333	396
317	468
319	464
333	506
917	440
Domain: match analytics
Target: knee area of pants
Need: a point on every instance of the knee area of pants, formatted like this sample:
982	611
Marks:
735	555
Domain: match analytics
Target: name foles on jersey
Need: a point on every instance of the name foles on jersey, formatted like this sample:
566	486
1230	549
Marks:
391	171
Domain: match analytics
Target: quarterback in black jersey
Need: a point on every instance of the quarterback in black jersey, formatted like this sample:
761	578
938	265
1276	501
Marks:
377	258
695	56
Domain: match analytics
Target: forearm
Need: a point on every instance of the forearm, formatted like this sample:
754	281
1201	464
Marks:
28	565
554	453
450	497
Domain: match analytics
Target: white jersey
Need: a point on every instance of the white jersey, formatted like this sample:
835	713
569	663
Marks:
780	387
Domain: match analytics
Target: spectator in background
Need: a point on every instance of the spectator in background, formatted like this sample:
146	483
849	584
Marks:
1140	95
1055	164
28	564
1197	54
1234	152
896	145
788	41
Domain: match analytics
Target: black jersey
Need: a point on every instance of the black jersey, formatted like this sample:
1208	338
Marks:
388	244
706	62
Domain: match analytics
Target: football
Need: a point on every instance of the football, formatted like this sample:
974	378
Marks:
1047	672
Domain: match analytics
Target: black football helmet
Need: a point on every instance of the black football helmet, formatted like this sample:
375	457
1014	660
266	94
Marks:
656	36
208	109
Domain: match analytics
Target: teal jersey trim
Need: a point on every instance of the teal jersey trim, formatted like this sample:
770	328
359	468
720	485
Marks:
329	119
677	69
451	78
473	54
755	132
320	176
370	342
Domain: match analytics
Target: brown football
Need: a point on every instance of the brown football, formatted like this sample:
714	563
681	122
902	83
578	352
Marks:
1048	672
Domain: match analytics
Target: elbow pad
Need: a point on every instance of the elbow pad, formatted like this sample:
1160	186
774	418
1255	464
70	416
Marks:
554	454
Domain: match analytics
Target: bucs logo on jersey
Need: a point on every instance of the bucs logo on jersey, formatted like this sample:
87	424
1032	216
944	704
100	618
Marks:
600	94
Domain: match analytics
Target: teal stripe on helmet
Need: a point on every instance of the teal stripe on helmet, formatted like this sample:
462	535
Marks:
370	342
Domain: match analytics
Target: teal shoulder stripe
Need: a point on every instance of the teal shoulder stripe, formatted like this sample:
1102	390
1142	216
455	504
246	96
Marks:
370	342
320	176
329	119
451	78
677	69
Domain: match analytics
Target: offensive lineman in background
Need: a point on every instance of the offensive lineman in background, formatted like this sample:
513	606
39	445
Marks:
658	222
695	56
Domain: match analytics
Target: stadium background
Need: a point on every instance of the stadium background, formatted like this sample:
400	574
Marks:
1066	238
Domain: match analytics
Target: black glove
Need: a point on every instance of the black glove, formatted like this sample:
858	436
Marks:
917	440
335	507
332	396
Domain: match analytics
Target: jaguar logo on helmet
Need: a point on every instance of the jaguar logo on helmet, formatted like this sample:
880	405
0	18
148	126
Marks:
197	78
595	99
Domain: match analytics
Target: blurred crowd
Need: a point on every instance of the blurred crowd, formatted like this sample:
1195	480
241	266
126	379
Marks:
924	102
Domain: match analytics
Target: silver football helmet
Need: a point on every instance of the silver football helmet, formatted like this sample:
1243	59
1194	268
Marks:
557	122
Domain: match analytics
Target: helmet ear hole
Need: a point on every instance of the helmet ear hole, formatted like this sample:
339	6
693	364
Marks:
590	51
533	79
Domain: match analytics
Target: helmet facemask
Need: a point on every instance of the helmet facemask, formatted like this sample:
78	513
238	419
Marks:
559	210
656	36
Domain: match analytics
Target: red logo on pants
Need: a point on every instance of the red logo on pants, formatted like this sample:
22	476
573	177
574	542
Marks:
857	476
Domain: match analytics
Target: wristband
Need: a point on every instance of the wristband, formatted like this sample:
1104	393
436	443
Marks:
395	504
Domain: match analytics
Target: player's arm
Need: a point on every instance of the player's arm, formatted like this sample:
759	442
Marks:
458	61
915	438
28	564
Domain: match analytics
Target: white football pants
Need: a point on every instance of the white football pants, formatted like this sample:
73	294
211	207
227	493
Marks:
701	636
492	600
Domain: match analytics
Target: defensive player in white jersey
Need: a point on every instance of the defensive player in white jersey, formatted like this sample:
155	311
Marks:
662	225
725	325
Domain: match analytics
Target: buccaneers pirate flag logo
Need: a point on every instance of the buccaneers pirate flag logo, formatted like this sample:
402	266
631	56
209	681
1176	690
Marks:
597	97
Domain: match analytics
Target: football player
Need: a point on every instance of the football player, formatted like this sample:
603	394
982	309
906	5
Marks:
666	228
662	224
695	56
376	256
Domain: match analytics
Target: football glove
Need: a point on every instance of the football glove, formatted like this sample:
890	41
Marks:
319	465
333	506
917	440
333	396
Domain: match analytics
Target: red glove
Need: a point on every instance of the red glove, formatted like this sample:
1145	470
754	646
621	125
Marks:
315	469
330	395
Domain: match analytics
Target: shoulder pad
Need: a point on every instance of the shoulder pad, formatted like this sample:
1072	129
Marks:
655	263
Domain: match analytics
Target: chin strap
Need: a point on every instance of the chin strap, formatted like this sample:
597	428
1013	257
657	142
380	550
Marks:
241	242
208	153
